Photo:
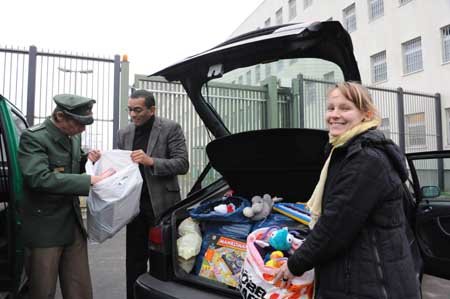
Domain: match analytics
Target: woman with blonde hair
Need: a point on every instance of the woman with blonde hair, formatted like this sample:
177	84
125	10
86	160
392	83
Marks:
358	244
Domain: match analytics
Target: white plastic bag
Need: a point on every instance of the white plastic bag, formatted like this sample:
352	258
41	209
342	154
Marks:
113	202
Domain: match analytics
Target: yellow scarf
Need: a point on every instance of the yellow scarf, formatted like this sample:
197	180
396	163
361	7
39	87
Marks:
315	202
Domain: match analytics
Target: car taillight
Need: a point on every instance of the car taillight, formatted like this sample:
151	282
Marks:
155	235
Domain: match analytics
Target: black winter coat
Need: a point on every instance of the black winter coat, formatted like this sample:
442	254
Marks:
359	247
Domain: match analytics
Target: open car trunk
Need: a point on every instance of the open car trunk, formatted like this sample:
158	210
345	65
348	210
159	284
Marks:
282	162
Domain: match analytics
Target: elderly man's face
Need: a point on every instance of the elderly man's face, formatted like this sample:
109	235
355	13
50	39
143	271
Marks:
139	113
68	125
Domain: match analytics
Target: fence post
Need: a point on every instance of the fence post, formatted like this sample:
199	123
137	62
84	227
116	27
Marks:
439	141
124	89
116	99
298	106
31	89
401	119
272	102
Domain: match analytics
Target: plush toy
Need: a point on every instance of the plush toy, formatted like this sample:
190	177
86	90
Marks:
261	207
282	240
275	259
225	208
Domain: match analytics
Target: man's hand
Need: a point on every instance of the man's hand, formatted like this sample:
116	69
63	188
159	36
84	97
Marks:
98	178
284	276
140	157
94	155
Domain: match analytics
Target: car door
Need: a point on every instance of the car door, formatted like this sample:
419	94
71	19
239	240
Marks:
430	173
12	123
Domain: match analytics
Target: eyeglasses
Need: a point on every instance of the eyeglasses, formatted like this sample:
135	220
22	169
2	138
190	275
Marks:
136	110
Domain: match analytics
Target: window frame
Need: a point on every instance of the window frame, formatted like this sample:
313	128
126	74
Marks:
307	3
408	53
279	16
445	42
292	9
418	123
375	65
372	4
349	18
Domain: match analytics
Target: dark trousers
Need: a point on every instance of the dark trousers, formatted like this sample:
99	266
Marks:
70	262
137	256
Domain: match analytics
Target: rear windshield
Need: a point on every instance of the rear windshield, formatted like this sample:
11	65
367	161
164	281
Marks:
273	94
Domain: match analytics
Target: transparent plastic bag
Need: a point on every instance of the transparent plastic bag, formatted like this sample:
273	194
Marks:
113	202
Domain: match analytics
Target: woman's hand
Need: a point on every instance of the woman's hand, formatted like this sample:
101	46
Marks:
284	275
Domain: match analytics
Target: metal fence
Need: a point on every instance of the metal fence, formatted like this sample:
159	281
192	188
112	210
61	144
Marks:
30	78
411	119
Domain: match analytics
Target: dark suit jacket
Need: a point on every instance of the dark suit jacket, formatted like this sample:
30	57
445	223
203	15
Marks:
51	164
167	147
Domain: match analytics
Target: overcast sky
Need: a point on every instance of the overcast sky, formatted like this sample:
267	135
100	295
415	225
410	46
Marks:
154	33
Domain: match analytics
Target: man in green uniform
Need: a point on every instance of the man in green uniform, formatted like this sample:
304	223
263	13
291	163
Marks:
51	160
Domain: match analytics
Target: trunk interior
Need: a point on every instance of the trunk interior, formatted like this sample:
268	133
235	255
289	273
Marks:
281	162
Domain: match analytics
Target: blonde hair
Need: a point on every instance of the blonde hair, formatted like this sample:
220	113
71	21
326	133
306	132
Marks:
358	95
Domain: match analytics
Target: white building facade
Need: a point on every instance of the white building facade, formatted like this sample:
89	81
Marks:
397	43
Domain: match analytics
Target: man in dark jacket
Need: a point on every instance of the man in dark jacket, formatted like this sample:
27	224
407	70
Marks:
51	160
158	145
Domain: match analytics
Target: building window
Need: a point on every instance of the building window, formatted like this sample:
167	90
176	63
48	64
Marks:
379	67
257	73
267	22
307	3
279	16
445	43
385	127
280	65
248	77
412	56
404	1
376	9
415	129
268	70
349	18
447	110
292	9
310	91
329	76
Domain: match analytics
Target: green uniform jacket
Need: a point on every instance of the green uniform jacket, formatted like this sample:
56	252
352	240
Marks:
51	163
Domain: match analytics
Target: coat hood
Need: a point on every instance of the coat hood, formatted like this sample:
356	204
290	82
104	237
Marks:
377	139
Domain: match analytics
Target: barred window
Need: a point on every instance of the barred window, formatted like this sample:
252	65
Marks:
349	18
378	67
292	9
415	126
257	73
329	76
385	127
280	65
445	43
307	3
376	9
267	22
248	77
279	16
412	55
268	70
404	1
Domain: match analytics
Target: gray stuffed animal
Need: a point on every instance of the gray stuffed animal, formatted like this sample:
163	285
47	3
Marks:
261	207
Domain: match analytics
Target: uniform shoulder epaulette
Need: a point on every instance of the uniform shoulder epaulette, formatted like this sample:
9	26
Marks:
36	127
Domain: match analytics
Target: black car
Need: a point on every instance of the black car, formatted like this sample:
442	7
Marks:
280	161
